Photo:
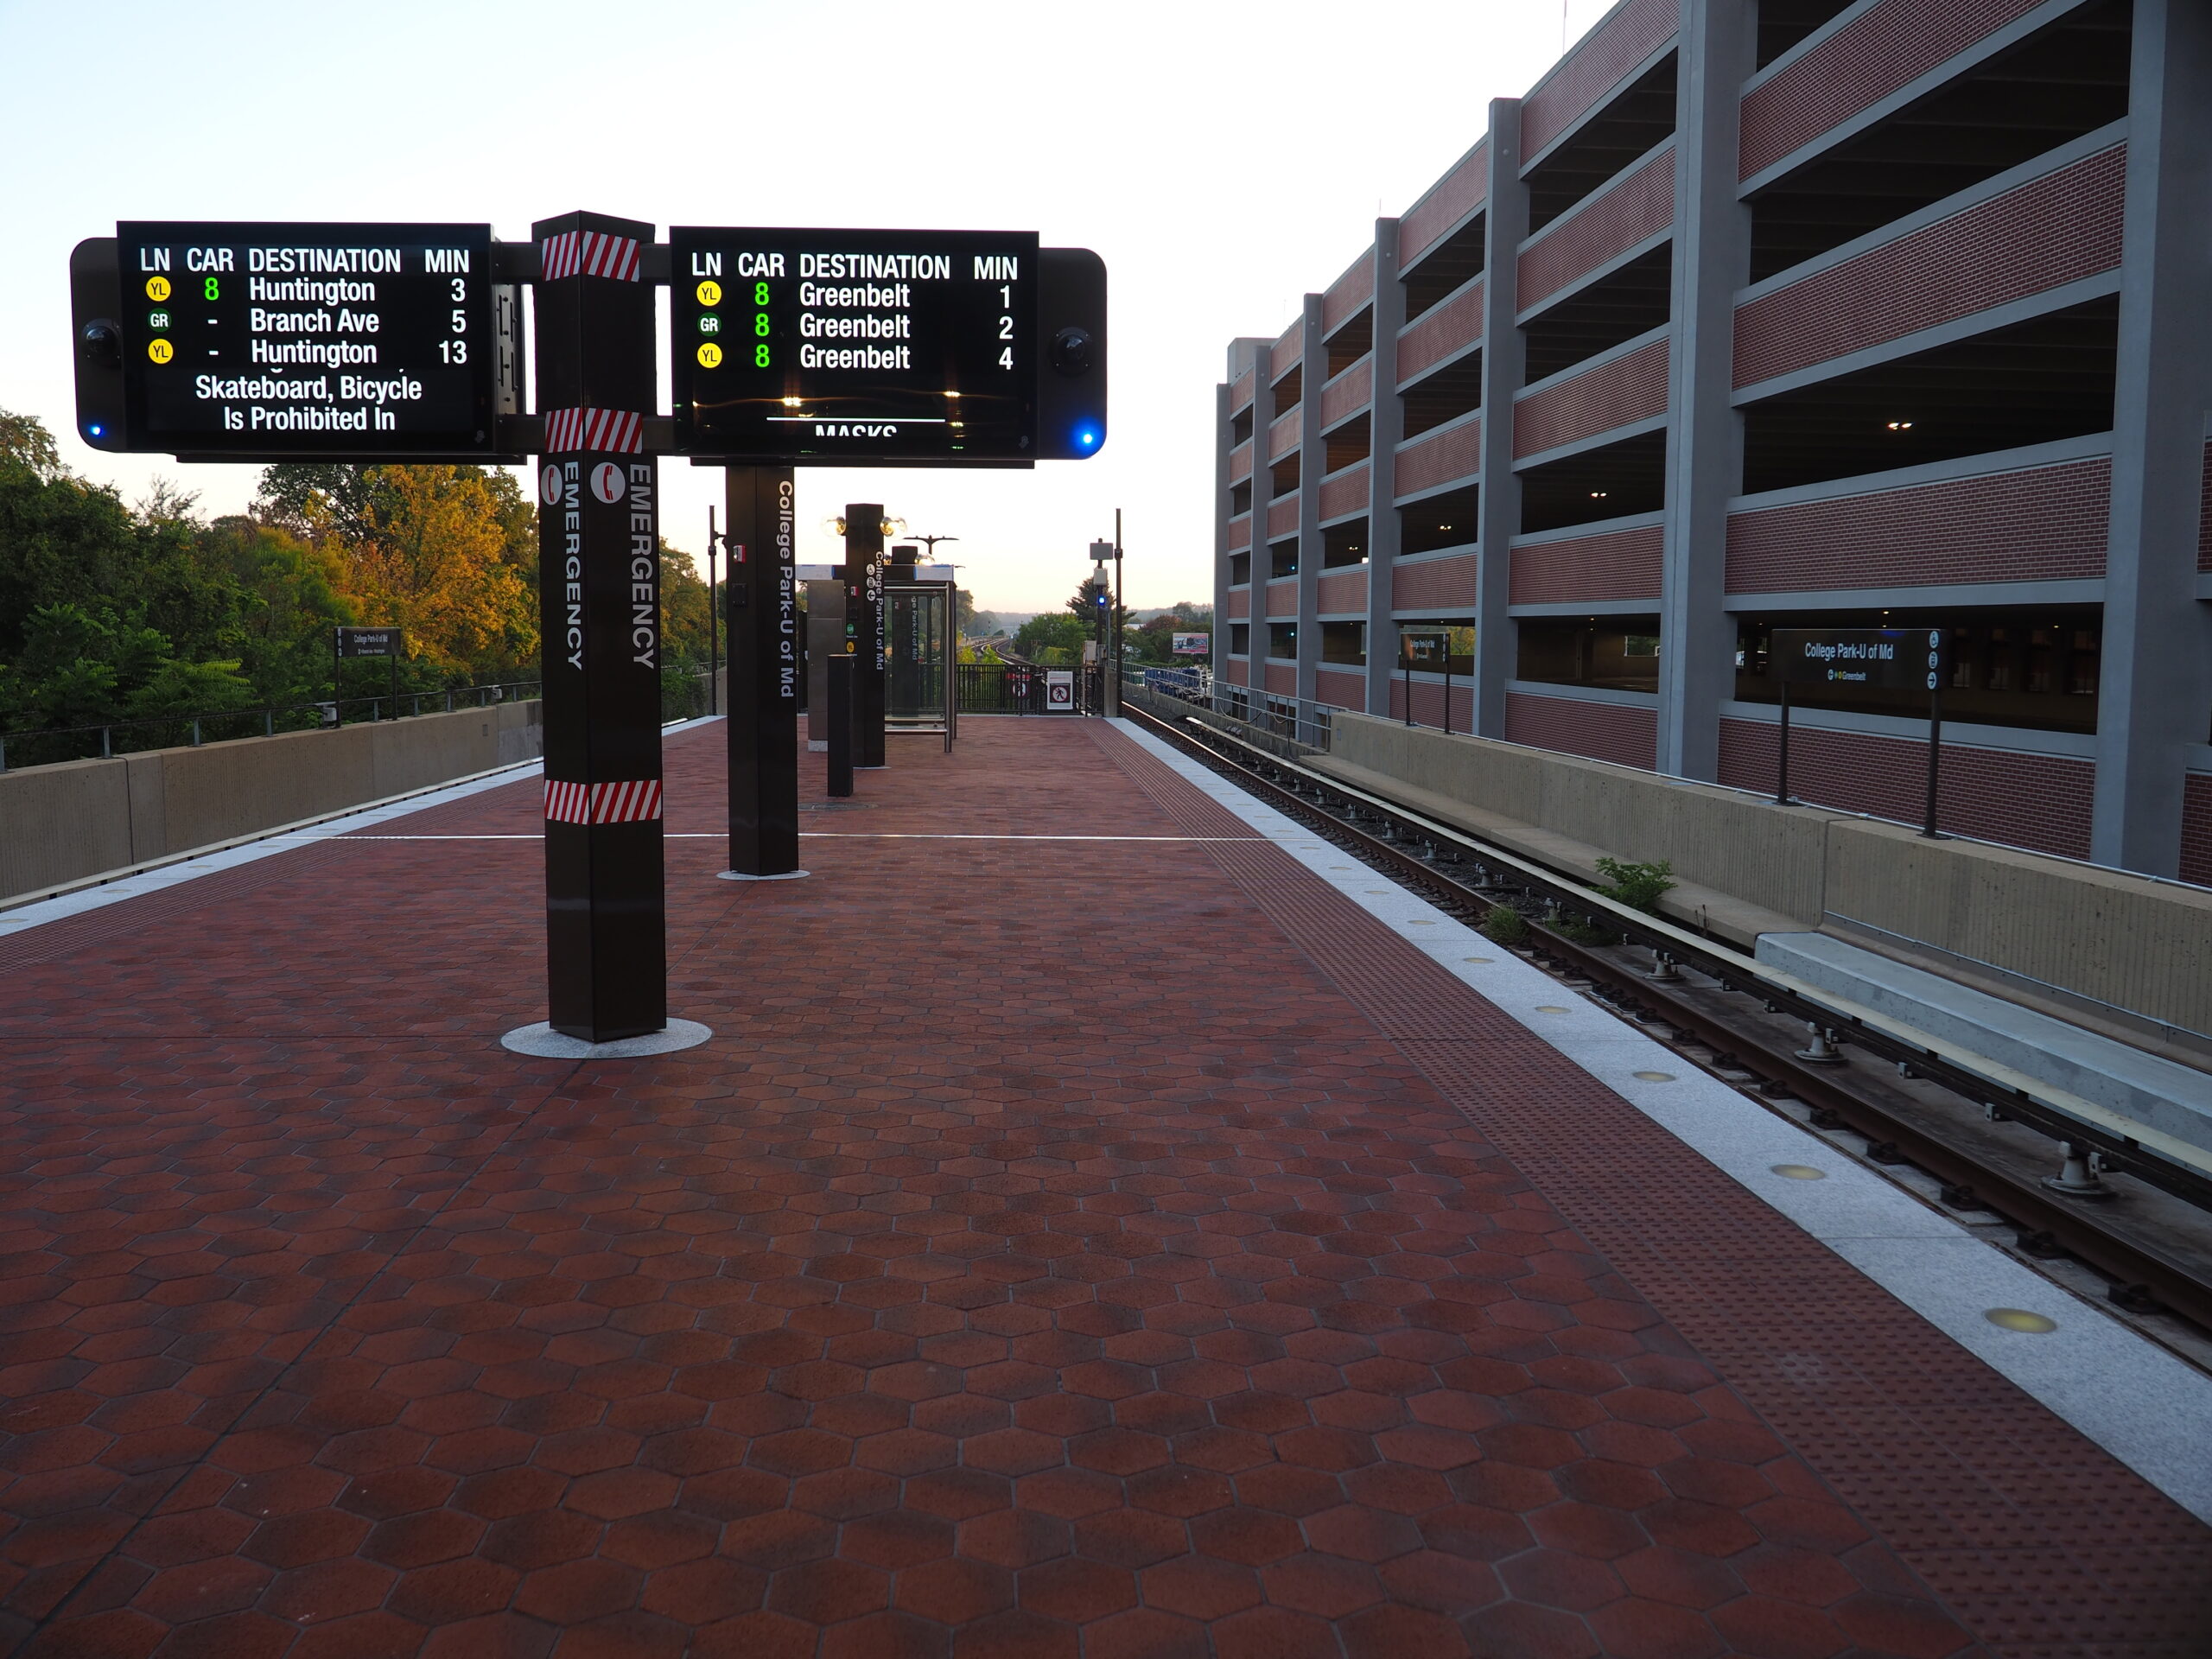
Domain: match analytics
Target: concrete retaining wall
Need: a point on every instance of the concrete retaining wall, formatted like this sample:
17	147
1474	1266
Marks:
83	817
1767	855
2018	921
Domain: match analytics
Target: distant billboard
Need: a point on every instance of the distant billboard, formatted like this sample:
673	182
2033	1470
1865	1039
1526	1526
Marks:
1193	645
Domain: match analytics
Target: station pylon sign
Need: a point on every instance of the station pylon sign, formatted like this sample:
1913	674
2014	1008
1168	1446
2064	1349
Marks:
599	588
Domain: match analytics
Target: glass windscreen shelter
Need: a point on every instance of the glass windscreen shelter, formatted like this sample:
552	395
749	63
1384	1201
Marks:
921	645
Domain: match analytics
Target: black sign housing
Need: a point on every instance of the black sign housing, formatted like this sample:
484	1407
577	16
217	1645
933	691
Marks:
370	642
1894	658
318	341
855	346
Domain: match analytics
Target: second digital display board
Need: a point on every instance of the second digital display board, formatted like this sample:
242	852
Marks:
858	346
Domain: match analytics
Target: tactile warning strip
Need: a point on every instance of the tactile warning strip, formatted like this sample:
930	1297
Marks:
2039	1540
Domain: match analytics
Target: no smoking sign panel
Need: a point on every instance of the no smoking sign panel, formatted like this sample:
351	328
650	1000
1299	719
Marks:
607	482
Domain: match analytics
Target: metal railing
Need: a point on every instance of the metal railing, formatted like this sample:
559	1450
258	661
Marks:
1299	719
54	744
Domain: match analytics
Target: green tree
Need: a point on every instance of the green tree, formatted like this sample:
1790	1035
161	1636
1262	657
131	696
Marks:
106	613
1051	637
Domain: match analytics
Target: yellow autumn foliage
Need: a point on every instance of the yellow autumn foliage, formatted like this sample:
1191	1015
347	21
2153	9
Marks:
435	560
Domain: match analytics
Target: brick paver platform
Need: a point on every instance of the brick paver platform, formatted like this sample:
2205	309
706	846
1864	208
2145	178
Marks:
1098	1247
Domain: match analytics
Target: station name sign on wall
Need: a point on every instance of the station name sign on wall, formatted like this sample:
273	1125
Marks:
1903	659
855	345
355	340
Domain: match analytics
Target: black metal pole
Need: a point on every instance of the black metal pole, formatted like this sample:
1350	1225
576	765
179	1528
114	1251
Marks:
1408	656
713	621
841	725
599	590
1936	654
1782	759
337	706
1448	685
765	671
1121	622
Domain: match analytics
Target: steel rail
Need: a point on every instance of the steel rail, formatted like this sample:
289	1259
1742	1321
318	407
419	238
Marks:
2143	1278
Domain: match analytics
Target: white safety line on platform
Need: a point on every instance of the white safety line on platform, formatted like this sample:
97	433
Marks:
2142	1404
831	834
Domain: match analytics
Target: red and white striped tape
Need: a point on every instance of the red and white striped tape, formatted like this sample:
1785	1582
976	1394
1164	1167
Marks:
612	431
635	801
588	253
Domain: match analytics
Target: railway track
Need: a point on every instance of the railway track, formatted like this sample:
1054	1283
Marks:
1987	1145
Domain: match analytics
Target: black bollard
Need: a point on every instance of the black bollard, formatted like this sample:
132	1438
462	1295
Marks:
841	725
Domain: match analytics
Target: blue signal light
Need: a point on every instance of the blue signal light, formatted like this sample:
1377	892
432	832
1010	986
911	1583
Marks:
96	430
1087	437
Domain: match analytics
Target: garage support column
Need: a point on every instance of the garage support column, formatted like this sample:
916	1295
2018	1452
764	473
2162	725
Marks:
1705	443
1313	461
2155	690
1389	427
1505	225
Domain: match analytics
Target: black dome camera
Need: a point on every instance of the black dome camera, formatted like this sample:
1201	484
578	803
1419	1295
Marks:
1071	350
101	341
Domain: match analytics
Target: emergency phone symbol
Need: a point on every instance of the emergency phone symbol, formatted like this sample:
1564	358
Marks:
548	486
607	482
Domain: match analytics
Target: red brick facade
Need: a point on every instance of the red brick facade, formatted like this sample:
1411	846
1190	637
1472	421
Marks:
1456	323
2047	524
2038	801
1285	432
1344	494
1340	688
1340	593
1240	533
1241	393
1620	564
1282	598
1282	518
1348	292
1442	458
1240	462
1237	671
1283	679
2197	829
1428	704
1603	731
1284	355
1450	199
1430	584
1631	388
2050	230
1632	33
2204	516
1635	206
1348	393
1888	46
1239	603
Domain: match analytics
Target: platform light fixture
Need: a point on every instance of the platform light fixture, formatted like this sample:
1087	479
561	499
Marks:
1900	426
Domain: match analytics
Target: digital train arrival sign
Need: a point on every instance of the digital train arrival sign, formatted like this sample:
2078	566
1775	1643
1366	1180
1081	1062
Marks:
362	341
861	347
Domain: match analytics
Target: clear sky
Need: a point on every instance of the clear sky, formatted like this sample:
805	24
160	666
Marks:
1162	135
